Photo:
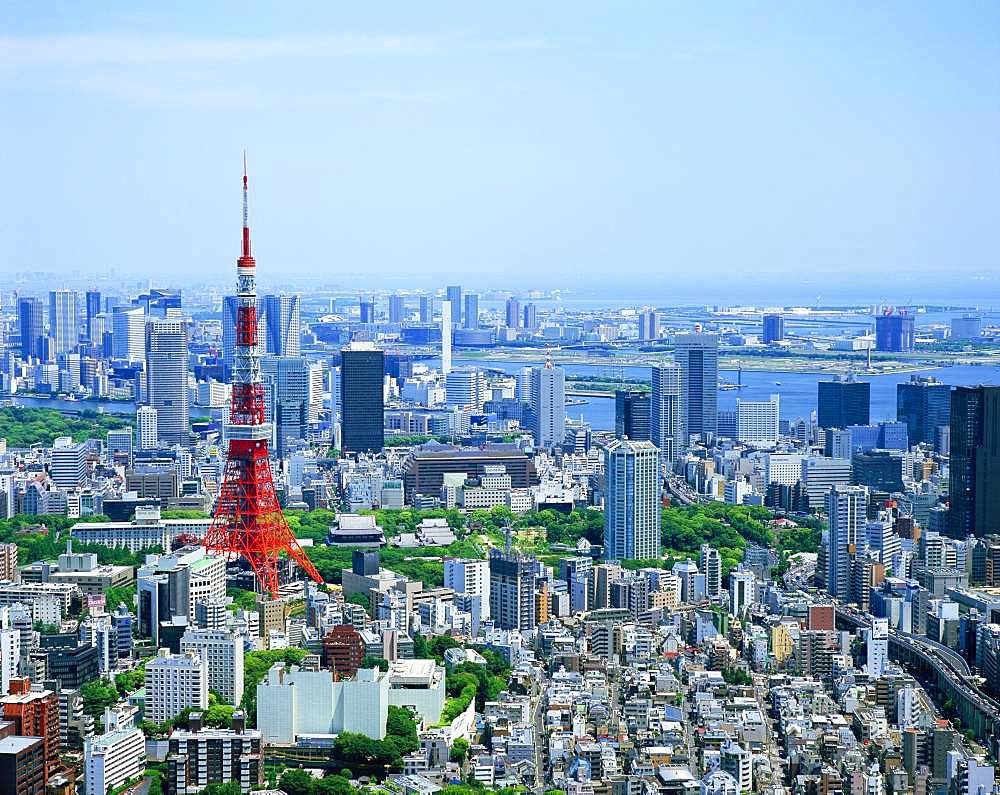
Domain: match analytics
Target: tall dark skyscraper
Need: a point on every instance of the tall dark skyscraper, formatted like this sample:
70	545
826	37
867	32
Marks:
30	325
93	309
367	310
426	309
471	311
698	356
530	317
632	415
397	308
974	484
893	333
454	297
282	325
843	402
924	404
361	377
774	329
513	312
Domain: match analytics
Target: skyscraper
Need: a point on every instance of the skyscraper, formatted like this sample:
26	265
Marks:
128	333
632	414
846	509
893	332
93	309
924	404
167	377
426	309
665	412
548	404
145	420
530	317
513	313
446	328
774	328
843	402
367	309
711	563
288	377
454	297
632	501
471	311
649	325
698	355
974	461
397	308
64	320
362	398
283	320
31	326
512	588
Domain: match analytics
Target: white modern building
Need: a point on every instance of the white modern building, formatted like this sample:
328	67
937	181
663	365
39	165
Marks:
146	531
145	419
665	412
293	702
117	756
223	652
877	647
742	590
757	421
548	404
469	577
782	468
128	333
632	501
175	682
418	685
711	564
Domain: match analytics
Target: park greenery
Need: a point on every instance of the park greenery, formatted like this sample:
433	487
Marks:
24	426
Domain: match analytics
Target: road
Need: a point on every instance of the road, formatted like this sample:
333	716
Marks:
540	737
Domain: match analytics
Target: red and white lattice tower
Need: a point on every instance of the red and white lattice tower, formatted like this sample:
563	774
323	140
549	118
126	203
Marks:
248	521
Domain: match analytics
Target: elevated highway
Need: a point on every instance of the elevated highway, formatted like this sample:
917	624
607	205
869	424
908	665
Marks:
945	669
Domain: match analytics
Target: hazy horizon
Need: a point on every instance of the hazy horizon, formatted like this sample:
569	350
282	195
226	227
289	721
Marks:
835	152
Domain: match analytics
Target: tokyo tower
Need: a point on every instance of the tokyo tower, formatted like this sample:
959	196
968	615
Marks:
248	521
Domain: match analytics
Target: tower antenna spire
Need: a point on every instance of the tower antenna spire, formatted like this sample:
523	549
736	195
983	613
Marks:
246	213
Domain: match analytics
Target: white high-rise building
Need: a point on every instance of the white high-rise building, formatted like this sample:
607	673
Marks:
469	577
698	357
632	501
742	590
846	510
446	336
466	386
117	756
10	650
128	338
665	412
782	468
711	564
877	647
820	474
145	420
167	377
757	421
64	320
68	465
737	761
548	405
882	541
223	652
175	682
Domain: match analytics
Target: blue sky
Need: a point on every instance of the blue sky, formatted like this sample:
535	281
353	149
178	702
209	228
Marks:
793	147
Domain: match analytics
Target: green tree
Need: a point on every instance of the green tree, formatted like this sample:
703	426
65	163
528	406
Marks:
98	694
459	750
333	785
297	782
